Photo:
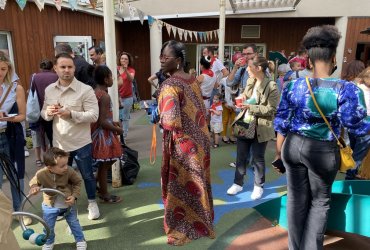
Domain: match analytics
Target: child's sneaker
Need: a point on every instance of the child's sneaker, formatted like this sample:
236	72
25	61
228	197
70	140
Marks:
82	245
48	246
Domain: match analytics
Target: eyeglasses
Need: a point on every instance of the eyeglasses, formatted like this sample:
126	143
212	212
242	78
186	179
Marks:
165	58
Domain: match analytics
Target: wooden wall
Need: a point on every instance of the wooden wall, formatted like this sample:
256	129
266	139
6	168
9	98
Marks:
277	34
32	33
355	25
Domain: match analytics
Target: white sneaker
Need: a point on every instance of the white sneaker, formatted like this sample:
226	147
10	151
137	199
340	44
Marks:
232	164
82	245
234	189
93	211
26	153
48	247
257	193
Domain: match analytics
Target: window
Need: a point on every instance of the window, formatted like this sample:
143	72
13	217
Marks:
80	44
229	51
6	44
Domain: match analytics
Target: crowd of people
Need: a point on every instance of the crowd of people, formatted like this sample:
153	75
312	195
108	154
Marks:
76	124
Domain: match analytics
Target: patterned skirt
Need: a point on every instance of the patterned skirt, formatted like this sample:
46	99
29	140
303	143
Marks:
106	145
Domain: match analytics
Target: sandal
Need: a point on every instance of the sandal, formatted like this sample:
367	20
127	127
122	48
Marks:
226	141
233	141
111	199
215	145
39	163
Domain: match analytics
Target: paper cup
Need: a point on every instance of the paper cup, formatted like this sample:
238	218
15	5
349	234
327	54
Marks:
238	101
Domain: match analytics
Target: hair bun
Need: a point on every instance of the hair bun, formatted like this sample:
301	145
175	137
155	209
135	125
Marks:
207	58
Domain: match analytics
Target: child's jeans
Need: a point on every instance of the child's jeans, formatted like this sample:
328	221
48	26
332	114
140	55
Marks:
50	215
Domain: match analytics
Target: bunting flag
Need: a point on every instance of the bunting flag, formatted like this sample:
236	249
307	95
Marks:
131	10
195	35
160	25
211	34
150	20
215	32
121	7
141	16
73	4
181	32
174	29
22	3
168	27
2	4
58	4
208	35
40	4
93	3
185	35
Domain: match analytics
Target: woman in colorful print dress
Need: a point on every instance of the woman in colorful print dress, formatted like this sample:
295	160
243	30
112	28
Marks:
306	145
186	187
106	145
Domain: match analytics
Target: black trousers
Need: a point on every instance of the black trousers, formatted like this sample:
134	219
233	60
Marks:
247	148
311	169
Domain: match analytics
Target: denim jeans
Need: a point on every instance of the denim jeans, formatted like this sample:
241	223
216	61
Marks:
50	215
125	113
245	149
311	169
16	195
360	146
83	158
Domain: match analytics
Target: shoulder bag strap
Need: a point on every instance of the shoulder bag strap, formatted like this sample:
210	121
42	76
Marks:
6	95
318	109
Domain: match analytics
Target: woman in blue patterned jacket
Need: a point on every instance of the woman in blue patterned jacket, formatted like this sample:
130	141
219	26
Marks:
306	145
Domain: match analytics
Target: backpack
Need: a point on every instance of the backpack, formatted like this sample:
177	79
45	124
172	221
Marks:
129	165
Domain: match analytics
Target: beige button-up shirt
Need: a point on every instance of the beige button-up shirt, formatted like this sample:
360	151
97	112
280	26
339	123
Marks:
72	133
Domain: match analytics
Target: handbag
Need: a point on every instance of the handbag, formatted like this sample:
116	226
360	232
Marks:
245	126
33	107
347	161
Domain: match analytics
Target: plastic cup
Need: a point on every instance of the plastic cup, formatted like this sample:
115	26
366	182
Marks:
238	101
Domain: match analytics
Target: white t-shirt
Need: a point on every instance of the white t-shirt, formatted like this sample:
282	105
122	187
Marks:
217	118
207	85
217	68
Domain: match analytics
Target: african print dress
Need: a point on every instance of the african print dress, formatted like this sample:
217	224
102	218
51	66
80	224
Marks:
185	172
105	144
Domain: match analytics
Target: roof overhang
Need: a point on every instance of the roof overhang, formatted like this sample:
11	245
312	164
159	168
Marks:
165	9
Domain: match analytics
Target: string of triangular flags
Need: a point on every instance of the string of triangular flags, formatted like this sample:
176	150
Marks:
183	34
58	3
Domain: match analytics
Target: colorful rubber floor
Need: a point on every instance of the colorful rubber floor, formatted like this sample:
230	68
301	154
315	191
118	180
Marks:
136	223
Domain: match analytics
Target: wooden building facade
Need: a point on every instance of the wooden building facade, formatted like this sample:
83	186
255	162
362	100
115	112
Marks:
32	34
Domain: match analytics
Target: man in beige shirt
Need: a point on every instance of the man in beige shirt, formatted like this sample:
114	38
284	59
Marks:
72	105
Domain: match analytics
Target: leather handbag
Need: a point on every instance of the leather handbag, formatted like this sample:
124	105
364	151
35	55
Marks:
241	128
347	161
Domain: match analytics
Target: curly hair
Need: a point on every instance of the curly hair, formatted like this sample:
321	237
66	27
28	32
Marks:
321	43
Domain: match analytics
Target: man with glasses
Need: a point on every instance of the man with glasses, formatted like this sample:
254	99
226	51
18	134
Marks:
239	74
